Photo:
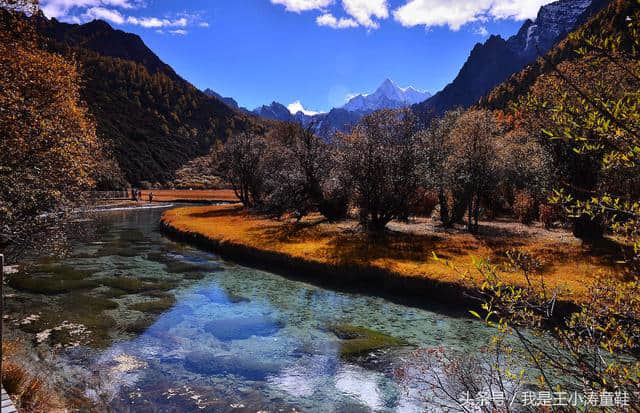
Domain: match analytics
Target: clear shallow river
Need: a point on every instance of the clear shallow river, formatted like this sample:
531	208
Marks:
150	325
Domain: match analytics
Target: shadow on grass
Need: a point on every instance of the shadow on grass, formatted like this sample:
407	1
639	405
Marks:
289	233
219	212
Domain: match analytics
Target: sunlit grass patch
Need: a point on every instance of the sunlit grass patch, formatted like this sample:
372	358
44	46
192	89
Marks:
29	389
406	250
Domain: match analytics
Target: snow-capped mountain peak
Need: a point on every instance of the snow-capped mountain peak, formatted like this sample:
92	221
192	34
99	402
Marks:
387	96
553	22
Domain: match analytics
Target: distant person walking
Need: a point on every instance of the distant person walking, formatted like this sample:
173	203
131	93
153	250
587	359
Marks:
150	197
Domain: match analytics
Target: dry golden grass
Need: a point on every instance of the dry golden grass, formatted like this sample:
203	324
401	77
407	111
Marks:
407	250
168	195
30	391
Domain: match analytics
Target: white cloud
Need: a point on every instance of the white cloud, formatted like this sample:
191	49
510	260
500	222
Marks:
298	6
179	32
456	13
329	20
62	8
79	11
296	107
517	9
482	31
363	11
154	22
102	13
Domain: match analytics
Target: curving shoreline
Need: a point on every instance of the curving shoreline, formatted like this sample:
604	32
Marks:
367	280
446	296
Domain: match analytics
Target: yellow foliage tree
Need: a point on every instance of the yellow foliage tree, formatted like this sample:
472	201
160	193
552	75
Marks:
48	145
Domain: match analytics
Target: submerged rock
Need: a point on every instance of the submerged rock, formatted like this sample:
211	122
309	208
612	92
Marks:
219	296
124	363
356	341
116	250
52	279
185	267
63	272
155	306
49	285
132	236
211	364
134	285
193	276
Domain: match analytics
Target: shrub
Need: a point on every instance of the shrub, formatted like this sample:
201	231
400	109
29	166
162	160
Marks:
474	164
242	165
303	175
381	158
548	214
425	203
524	207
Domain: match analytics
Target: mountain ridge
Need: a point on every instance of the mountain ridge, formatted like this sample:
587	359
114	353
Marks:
495	60
154	120
229	101
609	19
387	96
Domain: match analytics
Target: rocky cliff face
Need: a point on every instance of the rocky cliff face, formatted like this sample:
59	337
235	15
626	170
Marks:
274	111
554	22
492	62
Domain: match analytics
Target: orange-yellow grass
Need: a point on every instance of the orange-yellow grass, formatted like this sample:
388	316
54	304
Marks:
405	252
167	195
29	390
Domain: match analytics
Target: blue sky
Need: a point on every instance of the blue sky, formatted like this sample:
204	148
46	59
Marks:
315	51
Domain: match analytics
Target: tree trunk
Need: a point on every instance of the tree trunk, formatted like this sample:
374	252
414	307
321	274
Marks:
476	215
444	207
470	214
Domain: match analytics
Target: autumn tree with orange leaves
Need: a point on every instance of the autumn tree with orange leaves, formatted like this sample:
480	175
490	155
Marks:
49	152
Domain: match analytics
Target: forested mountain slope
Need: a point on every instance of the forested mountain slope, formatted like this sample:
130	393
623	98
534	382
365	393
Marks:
154	120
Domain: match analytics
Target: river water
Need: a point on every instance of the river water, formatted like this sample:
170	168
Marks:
144	324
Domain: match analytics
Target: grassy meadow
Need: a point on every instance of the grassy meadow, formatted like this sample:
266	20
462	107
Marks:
407	249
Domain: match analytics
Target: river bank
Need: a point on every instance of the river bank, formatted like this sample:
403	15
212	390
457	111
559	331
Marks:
398	263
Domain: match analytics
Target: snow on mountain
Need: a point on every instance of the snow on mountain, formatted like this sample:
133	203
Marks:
387	96
297	106
495	60
553	22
